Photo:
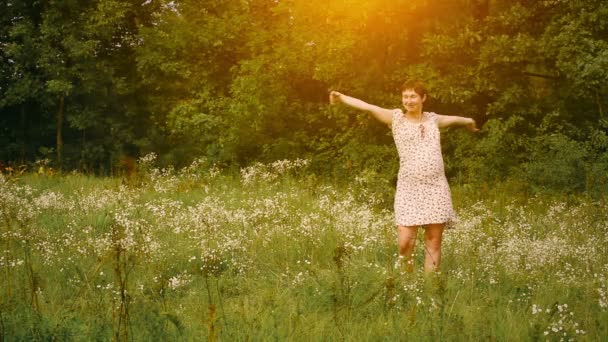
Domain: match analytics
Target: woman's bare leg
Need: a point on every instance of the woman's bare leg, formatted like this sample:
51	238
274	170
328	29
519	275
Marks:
407	242
432	243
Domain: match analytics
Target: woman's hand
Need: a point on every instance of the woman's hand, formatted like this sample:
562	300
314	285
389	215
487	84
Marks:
444	121
472	126
382	114
334	97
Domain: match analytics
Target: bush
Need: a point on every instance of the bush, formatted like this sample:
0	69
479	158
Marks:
556	162
596	181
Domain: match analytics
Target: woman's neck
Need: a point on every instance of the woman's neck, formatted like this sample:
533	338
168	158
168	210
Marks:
414	115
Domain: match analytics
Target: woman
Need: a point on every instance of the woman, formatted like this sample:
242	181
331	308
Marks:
423	195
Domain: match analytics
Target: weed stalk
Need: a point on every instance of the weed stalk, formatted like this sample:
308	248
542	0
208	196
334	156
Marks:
121	272
7	252
31	276
341	296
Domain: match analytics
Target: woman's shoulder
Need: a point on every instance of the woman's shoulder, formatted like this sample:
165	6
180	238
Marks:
397	112
432	116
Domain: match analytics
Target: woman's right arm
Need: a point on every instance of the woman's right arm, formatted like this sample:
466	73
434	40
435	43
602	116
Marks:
382	114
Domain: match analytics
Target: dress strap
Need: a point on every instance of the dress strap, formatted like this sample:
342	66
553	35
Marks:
432	116
396	113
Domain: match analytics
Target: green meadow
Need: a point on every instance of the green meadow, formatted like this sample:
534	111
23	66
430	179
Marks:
274	253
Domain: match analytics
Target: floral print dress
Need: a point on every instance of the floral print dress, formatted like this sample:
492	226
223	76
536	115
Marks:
423	194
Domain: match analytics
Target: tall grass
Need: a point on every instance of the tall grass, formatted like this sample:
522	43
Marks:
275	254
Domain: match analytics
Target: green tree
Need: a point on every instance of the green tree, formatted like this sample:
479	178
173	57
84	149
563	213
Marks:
239	81
185	61
20	84
72	70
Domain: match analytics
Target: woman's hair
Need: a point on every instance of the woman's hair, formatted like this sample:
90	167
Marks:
415	85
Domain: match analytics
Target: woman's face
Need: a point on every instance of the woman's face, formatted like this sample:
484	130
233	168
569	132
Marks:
412	102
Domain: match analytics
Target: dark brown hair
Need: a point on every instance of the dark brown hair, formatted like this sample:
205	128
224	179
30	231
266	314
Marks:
415	85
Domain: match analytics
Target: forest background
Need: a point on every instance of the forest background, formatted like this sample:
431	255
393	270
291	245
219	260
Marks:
89	84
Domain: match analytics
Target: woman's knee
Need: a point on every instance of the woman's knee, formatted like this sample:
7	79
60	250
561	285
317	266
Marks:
433	244
433	237
407	243
407	236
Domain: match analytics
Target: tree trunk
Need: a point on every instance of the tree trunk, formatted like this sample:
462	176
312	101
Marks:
59	132
23	136
598	101
482	9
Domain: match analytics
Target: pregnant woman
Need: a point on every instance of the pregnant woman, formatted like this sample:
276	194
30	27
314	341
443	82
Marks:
423	195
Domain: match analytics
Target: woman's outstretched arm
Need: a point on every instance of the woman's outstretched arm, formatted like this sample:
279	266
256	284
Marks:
382	114
448	120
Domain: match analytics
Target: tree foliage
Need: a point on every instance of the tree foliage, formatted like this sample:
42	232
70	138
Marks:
247	80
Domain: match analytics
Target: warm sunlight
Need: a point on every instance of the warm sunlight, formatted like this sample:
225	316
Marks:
303	170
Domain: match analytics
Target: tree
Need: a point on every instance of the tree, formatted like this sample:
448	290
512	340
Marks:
71	67
20	85
240	81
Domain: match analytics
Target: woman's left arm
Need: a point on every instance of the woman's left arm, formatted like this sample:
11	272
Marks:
448	120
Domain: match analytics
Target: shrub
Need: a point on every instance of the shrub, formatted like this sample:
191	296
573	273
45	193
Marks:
556	162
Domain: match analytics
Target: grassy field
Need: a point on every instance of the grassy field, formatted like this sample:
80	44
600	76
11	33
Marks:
275	254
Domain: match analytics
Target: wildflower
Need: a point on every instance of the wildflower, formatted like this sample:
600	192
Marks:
178	281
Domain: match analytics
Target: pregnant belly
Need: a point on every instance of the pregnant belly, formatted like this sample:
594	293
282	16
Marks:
419	168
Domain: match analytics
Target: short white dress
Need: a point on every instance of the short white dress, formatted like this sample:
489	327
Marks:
423	195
